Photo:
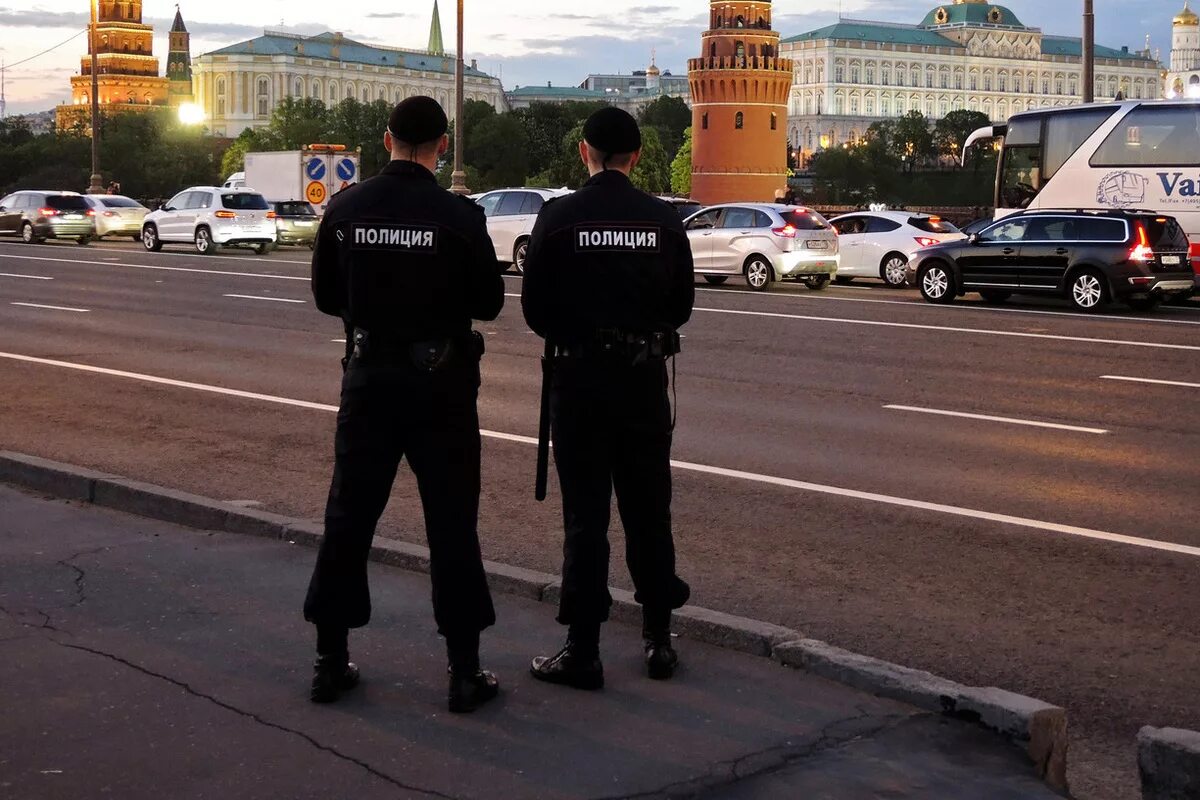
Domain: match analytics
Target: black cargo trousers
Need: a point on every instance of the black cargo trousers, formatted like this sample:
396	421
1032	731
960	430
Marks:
612	429
390	410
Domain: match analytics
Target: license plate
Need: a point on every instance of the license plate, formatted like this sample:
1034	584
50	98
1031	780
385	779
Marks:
72	216
817	244
1172	260
304	224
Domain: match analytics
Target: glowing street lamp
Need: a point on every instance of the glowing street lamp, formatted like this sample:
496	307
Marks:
191	114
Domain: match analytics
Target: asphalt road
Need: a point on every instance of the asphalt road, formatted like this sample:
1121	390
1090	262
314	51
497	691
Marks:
814	489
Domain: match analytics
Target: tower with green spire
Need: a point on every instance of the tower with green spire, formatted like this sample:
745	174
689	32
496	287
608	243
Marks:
436	47
179	62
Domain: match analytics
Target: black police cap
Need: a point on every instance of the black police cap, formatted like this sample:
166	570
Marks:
613	131
418	120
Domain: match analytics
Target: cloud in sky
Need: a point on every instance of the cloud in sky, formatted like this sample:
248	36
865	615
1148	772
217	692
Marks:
523	41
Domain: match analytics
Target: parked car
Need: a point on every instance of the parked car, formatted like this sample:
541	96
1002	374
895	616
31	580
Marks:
295	223
510	217
880	244
977	226
764	242
1090	257
36	216
210	218
117	215
684	205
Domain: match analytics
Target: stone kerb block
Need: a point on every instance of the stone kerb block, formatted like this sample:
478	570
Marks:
1169	763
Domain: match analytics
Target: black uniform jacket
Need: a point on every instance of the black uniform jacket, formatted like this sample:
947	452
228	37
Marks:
405	260
609	256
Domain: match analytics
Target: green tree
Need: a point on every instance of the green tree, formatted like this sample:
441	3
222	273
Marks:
951	132
360	126
670	116
681	167
912	141
498	148
567	169
653	171
234	159
295	124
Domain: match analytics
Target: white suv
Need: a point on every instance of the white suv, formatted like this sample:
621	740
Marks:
210	218
510	217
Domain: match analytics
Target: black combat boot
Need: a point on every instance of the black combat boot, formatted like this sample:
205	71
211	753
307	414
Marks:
577	665
333	672
470	686
661	658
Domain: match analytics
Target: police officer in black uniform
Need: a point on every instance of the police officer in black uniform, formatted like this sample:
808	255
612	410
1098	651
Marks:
608	282
407	266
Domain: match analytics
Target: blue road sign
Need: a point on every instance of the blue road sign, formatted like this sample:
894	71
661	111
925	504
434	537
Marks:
315	169
346	169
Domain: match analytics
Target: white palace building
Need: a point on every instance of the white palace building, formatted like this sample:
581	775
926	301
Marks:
966	54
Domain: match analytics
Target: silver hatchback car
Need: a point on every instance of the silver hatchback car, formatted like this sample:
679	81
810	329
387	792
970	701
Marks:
763	242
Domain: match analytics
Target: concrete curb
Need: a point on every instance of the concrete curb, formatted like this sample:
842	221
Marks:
1038	728
1169	763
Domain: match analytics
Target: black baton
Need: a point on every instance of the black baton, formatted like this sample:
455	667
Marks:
543	452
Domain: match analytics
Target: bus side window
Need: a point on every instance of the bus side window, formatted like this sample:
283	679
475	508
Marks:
1163	136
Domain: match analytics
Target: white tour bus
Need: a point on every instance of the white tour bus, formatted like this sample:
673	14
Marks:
1141	155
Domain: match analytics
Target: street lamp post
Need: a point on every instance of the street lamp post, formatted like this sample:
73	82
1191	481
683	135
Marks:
95	187
1089	52
458	178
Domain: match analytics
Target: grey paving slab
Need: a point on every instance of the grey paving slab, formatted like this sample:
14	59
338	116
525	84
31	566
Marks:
146	660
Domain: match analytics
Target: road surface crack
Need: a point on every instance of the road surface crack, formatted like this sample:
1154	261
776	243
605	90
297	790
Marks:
771	759
250	715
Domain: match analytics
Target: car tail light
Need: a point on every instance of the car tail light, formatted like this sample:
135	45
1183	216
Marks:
272	215
1194	252
91	212
106	213
225	215
787	231
925	241
48	212
1142	251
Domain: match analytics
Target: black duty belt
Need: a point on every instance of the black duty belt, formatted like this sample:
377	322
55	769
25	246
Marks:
634	347
429	355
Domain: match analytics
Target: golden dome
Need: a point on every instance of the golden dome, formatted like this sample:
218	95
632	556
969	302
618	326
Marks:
1186	17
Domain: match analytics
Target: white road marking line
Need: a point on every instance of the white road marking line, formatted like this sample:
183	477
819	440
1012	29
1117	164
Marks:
30	277
953	307
338	341
990	418
704	469
1184	384
949	329
52	308
272	299
165	253
304	278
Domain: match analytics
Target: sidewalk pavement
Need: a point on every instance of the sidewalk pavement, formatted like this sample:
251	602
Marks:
143	660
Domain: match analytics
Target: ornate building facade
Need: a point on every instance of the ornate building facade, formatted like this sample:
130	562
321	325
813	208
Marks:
966	54
127	71
239	86
1183	80
739	90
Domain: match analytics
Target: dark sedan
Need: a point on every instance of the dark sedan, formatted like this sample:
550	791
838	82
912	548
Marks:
1091	258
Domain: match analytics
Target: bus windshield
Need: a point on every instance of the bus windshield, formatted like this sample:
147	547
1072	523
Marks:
1036	147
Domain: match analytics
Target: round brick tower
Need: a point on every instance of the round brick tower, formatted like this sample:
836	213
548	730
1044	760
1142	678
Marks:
740	91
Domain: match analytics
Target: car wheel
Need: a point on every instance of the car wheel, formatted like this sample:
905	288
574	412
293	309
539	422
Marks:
150	239
262	249
759	273
716	280
84	241
1088	291
519	252
1144	303
816	282
994	296
27	234
894	270
843	280
205	245
936	282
